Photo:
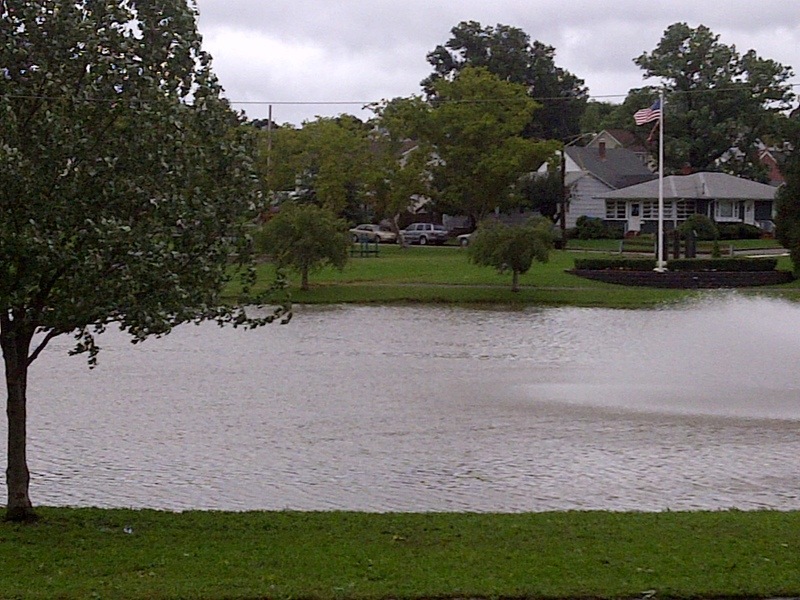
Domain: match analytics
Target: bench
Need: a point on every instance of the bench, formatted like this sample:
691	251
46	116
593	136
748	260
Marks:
364	247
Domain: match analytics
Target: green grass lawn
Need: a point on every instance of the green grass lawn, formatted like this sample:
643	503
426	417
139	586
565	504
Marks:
445	275
90	553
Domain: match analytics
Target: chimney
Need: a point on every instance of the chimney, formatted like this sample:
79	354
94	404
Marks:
601	147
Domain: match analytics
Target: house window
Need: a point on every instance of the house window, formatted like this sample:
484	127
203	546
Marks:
650	210
615	209
724	209
684	208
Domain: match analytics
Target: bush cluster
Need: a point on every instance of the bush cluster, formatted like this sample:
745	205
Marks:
704	228
723	264
739	231
592	228
622	264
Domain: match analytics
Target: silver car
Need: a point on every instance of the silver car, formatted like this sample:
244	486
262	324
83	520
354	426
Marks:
425	233
373	233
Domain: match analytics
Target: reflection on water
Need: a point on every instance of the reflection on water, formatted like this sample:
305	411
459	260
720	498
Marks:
432	409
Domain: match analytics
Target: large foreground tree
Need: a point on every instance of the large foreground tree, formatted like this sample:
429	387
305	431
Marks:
125	184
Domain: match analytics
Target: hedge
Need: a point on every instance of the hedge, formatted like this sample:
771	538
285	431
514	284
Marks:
723	264
623	264
679	264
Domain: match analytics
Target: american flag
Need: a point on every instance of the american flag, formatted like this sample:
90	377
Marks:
647	115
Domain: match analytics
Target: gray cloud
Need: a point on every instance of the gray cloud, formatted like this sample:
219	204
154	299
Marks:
364	50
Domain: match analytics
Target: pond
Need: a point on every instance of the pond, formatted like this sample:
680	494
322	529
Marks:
432	409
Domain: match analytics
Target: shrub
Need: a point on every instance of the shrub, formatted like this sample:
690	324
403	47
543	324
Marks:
616	231
512	247
739	231
591	228
703	227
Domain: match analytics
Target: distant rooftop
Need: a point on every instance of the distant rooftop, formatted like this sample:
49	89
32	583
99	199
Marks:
616	167
698	186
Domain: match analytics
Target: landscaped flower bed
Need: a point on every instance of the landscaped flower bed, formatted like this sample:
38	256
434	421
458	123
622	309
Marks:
684	273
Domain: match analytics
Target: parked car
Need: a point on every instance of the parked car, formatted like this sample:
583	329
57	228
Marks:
425	233
463	239
373	233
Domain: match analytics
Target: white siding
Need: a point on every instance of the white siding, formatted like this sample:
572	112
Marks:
583	200
570	167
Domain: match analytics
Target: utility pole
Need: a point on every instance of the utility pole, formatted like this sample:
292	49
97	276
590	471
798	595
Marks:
269	150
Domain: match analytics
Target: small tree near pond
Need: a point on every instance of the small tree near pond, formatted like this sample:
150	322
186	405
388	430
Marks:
511	248
125	187
305	237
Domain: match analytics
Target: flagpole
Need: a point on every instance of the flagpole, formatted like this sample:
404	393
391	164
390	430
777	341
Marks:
660	264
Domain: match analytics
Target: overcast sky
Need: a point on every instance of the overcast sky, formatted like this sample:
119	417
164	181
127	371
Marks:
354	51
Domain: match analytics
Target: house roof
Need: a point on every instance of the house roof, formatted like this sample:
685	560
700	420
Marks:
620	138
616	167
697	186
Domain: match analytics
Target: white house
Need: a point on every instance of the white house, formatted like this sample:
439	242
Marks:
593	171
723	198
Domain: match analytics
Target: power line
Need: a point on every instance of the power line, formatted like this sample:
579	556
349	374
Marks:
487	100
367	103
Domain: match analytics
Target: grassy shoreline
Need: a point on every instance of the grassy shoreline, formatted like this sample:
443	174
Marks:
445	275
92	553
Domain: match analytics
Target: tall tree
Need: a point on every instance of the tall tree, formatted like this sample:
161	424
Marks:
544	193
125	186
404	158
474	128
596	116
329	161
600	115
718	99
508	53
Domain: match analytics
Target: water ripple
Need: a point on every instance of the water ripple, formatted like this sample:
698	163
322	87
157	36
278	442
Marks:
432	409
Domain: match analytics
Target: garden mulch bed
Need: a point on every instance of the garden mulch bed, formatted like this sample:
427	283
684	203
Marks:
687	279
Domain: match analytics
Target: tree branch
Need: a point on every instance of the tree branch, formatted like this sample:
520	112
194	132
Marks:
42	345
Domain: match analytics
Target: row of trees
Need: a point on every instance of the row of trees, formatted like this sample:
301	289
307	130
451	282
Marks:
467	153
496	106
475	130
717	100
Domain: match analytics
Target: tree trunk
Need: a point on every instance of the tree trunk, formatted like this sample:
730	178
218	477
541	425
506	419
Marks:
16	344
514	281
304	278
401	240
